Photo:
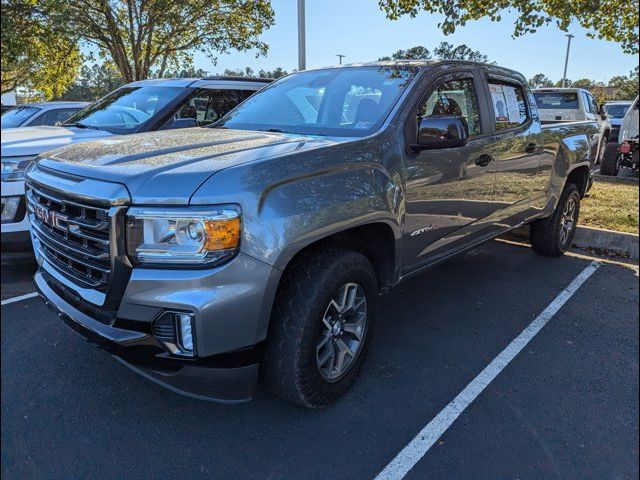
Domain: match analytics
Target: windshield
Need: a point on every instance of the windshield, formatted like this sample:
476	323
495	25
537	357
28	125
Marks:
126	109
555	100
617	110
342	102
17	116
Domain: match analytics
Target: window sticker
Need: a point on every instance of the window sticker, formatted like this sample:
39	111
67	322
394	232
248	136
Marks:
505	103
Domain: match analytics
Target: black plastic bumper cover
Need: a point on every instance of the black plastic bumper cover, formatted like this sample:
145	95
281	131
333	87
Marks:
223	385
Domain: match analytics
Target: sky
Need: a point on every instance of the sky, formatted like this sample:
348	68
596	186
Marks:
360	30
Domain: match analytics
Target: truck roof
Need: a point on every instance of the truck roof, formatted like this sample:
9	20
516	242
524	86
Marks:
52	105
423	64
560	89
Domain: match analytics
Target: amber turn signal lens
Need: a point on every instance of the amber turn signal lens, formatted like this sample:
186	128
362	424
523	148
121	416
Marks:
222	234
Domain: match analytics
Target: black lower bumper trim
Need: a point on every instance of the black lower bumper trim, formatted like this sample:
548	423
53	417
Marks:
143	354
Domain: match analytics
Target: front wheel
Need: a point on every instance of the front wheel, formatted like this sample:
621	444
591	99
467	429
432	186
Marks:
553	236
322	323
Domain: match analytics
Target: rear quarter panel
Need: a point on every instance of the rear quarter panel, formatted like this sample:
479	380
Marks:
567	146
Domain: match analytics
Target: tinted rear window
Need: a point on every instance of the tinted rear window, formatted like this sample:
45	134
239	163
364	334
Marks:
553	100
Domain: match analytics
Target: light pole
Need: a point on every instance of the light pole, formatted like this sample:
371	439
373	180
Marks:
566	60
302	54
340	57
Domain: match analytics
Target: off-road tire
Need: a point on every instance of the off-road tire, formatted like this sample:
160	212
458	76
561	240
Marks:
306	289
610	164
545	234
602	149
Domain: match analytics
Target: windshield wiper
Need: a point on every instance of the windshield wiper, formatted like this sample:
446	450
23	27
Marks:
81	125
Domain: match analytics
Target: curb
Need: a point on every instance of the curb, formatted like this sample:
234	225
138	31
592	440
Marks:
625	244
605	178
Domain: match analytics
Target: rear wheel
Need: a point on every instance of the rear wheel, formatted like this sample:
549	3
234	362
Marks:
553	236
610	164
322	323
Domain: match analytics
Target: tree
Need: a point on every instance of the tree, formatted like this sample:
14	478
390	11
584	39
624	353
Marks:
275	73
443	51
145	38
568	83
627	85
583	83
94	82
614	20
540	80
414	53
250	73
462	52
37	52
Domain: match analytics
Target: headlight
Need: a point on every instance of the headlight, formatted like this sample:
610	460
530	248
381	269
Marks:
195	236
13	168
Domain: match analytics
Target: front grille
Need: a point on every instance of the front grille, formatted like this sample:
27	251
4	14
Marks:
73	236
615	132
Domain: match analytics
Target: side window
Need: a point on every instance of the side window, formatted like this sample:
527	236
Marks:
208	106
454	98
593	106
509	105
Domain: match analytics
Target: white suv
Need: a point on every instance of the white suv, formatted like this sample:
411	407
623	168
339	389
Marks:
137	107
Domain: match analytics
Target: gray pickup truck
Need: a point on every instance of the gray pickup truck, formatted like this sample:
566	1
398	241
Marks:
202	258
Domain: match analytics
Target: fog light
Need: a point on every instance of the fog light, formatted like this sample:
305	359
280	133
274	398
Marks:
185	326
9	208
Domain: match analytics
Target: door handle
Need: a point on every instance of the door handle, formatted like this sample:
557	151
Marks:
531	148
484	160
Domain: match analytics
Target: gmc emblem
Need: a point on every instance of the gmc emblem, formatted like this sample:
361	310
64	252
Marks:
50	218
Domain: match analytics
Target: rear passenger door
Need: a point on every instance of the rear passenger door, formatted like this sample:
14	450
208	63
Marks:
516	149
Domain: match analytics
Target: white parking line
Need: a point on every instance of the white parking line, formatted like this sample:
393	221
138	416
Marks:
421	443
19	299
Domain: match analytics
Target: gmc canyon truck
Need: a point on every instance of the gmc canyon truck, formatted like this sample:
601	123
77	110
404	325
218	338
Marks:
203	257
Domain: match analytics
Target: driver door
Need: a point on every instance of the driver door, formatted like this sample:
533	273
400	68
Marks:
449	191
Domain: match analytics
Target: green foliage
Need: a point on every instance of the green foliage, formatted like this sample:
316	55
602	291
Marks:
37	52
249	72
443	51
94	82
627	85
149	38
614	20
540	80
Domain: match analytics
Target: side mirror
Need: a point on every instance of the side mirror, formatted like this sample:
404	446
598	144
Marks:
441	132
603	113
183	123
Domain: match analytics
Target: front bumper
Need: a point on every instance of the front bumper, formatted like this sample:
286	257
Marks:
232	383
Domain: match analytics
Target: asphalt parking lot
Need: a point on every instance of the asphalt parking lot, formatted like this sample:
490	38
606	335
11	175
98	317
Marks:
565	407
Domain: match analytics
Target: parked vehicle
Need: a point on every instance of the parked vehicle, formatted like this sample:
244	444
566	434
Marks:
615	112
624	152
195	256
556	105
36	114
5	108
137	107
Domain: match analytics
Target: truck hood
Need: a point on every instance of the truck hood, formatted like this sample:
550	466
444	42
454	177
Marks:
35	140
167	167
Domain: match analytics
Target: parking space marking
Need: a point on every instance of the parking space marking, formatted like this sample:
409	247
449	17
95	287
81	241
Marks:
424	440
19	299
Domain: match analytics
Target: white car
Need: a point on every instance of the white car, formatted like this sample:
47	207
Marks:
557	105
137	107
35	114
